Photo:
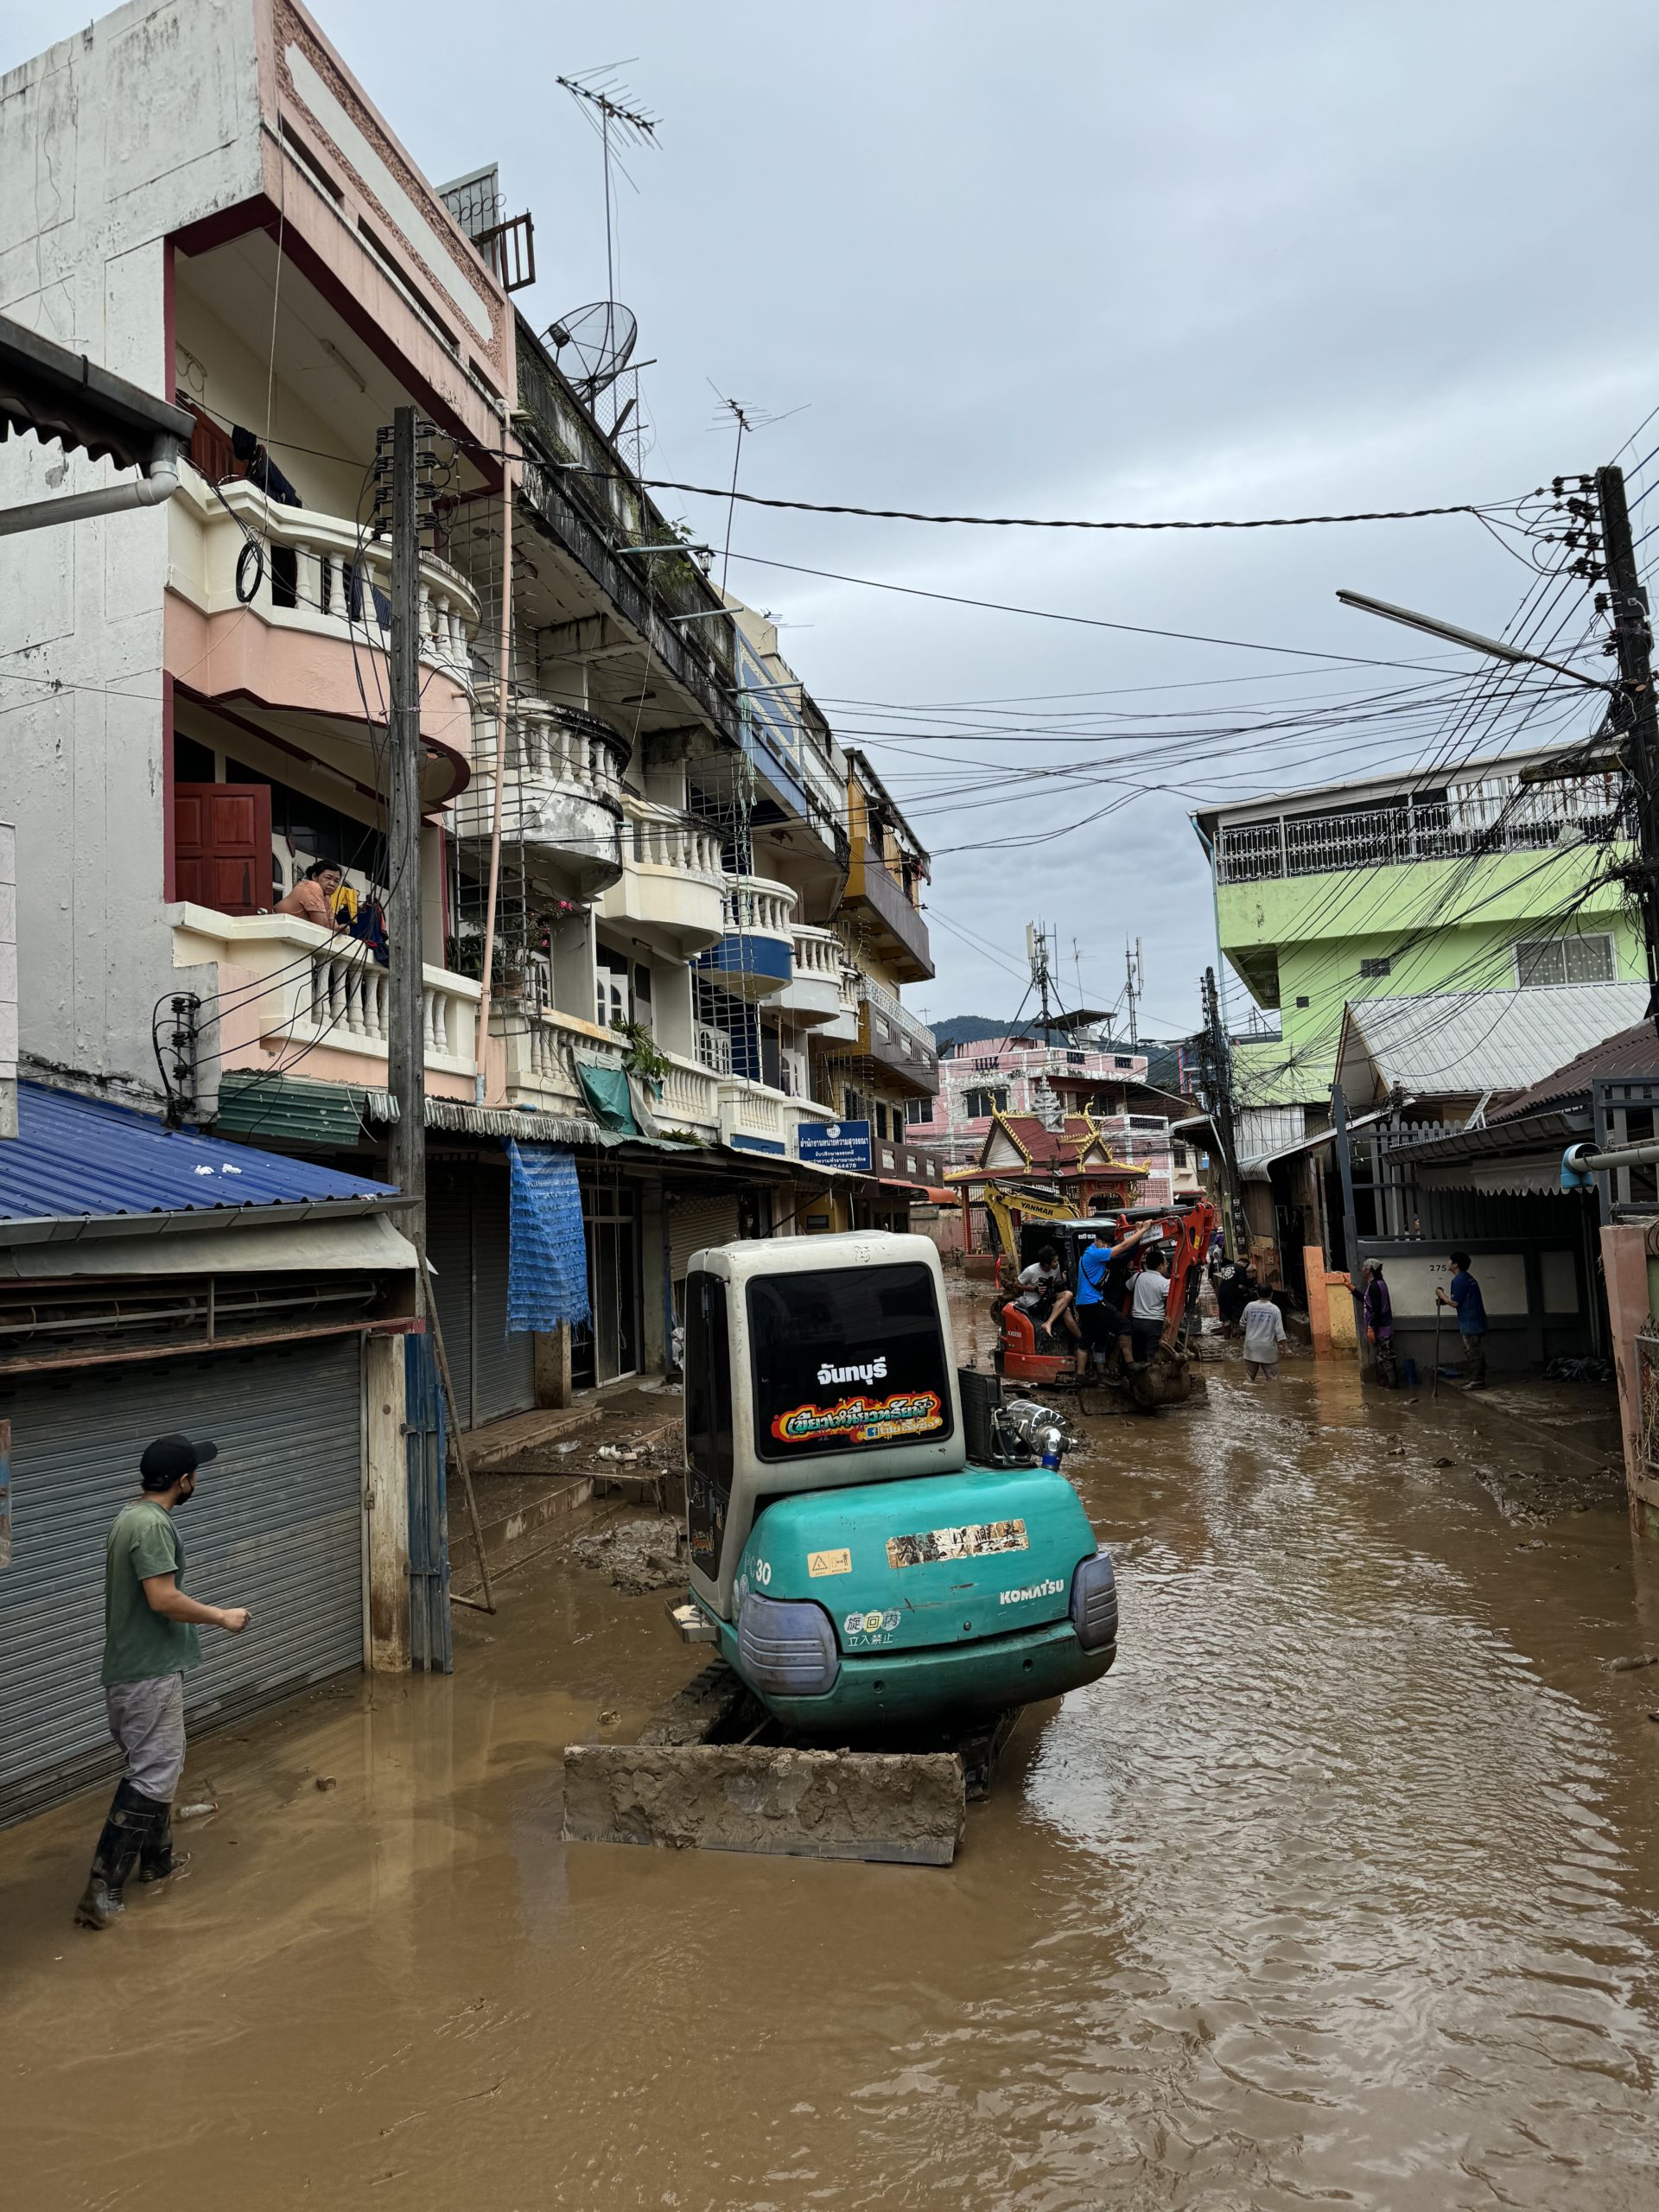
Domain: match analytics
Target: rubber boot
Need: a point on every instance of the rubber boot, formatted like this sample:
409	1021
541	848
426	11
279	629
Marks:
131	1820
157	1856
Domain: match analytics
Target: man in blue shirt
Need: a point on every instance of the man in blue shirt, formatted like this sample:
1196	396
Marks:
1471	1320
1099	1325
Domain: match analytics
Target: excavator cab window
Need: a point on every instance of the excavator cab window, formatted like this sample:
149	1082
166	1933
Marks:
709	1449
847	1357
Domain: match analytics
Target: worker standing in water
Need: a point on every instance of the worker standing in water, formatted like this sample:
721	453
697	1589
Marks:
149	1641
1264	1331
1471	1319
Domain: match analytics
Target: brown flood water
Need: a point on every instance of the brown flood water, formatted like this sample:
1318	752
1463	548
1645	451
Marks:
1340	1890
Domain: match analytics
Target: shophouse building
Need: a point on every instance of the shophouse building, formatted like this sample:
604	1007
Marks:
701	925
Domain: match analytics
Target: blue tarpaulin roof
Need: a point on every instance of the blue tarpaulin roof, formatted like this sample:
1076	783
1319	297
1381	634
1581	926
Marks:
82	1159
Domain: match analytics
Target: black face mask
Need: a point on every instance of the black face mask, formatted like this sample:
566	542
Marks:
187	1494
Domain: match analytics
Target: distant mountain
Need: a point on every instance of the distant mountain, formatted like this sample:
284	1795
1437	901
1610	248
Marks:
967	1029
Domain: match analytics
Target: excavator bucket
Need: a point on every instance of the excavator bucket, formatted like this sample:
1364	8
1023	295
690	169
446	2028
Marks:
906	1808
1165	1380
698	1779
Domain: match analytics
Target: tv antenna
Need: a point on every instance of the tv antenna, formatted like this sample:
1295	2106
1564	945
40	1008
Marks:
607	332
748	418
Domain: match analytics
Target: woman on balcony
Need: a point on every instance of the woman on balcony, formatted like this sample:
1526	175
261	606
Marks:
312	899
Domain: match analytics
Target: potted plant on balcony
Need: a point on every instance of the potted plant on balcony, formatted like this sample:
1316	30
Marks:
640	1056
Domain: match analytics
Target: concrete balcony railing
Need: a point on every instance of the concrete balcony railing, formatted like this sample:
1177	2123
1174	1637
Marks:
561	792
754	905
286	609
754	1118
291	988
540	1048
755	956
813	994
895	1040
672	880
879	896
543	1046
689	1099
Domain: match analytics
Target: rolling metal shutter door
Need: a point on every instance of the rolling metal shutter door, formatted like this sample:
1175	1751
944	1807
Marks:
277	1527
449	1248
504	1366
693	1223
466	1239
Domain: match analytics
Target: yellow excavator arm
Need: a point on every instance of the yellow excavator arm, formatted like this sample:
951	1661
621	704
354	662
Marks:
1002	1206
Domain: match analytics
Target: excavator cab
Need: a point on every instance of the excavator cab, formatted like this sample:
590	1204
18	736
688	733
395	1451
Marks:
855	1569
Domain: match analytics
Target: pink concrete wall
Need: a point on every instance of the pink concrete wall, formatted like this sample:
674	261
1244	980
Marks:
1624	1264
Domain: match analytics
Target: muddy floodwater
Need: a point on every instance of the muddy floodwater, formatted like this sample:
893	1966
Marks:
1342	1889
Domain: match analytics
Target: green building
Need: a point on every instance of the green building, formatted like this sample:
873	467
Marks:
1403	886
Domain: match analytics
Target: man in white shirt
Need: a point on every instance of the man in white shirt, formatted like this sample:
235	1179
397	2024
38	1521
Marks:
1147	1306
1044	1296
1264	1331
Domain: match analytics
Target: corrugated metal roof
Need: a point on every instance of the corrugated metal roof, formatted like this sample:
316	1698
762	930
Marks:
1633	1053
296	1107
83	1158
1462	1041
1554	1131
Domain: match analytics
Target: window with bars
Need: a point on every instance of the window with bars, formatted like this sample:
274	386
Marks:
1371	969
1548	963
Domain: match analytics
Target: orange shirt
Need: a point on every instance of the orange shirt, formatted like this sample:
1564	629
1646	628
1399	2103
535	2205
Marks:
309	900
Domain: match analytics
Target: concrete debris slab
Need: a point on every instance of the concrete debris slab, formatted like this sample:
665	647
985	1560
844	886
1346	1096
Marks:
903	1808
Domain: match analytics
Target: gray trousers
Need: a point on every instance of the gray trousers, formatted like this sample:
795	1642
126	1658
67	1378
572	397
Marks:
147	1721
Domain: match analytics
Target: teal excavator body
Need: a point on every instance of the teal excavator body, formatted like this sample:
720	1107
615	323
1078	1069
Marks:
857	1572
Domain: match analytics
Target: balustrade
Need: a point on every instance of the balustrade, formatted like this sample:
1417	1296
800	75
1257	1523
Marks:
819	954
689	1096
670	841
318	572
754	905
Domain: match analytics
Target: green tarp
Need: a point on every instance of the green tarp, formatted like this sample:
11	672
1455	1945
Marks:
605	1091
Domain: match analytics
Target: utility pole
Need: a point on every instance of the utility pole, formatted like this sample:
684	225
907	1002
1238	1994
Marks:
1135	975
1219	1083
405	1025
1638	724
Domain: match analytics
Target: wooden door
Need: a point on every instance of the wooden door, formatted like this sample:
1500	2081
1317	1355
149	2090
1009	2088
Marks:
222	843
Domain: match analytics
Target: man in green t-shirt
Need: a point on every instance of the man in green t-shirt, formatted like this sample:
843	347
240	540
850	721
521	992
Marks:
149	1639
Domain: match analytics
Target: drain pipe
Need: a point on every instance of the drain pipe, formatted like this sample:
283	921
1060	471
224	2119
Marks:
150	491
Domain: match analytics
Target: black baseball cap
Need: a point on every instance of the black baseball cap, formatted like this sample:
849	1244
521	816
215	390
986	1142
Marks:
170	1457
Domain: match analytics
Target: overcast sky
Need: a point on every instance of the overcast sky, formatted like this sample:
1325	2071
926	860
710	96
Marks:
1084	258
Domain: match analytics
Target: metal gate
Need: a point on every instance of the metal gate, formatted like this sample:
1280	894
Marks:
277	1527
466	1234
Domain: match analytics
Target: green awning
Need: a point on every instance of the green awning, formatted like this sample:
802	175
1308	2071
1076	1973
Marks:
268	1106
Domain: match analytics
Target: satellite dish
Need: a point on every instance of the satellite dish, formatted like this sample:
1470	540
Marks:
594	344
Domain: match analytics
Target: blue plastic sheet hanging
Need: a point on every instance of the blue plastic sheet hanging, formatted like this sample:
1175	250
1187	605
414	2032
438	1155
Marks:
547	1255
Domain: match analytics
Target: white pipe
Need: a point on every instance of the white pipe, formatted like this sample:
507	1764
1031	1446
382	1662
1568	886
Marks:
150	491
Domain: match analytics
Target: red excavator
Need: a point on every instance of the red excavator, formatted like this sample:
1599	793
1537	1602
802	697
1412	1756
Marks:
1031	1357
